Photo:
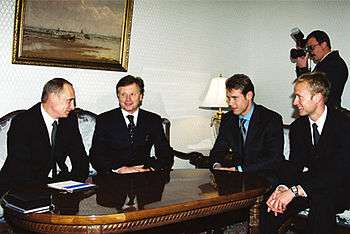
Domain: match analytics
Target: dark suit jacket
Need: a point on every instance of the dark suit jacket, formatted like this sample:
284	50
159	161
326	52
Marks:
337	73
29	150
328	163
111	147
264	143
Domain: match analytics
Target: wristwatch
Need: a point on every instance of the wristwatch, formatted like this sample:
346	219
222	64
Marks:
294	189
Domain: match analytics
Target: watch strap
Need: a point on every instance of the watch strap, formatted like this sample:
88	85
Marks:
294	189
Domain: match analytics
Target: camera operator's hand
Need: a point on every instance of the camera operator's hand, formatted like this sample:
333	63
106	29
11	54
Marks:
302	61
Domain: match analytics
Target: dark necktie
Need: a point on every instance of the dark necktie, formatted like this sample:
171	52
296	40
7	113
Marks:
131	199
53	142
131	128
316	134
243	129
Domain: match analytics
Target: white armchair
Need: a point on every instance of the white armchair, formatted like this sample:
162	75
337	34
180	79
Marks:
86	120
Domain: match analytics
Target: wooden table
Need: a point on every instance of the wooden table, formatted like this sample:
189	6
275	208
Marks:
160	199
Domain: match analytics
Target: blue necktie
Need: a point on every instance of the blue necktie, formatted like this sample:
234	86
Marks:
243	129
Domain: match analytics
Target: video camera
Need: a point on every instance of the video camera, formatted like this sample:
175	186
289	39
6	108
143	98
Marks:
301	48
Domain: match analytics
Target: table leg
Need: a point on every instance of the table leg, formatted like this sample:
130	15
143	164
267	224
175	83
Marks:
254	216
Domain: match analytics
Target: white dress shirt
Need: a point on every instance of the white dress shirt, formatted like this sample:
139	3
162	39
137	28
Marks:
320	123
48	121
135	114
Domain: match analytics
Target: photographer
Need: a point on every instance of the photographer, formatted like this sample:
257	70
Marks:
319	50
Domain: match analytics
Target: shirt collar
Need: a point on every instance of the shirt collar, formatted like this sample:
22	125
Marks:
135	114
47	118
326	55
248	116
320	122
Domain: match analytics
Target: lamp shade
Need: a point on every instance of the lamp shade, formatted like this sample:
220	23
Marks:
216	94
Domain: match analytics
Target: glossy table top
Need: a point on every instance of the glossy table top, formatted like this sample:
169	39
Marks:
134	196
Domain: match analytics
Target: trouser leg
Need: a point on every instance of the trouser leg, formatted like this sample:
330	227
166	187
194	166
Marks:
321	219
269	223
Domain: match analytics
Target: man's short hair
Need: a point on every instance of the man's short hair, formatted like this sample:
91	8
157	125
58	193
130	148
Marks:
318	83
53	86
241	82
320	37
128	80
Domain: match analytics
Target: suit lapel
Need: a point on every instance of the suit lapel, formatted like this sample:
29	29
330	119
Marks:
119	121
254	125
43	132
140	126
325	138
306	137
330	57
235	138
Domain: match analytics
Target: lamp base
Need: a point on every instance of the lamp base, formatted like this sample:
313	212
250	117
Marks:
215	122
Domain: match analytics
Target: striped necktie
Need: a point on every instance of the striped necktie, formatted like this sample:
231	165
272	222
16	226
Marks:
243	129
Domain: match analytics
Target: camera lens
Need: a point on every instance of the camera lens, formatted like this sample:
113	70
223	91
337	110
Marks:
295	53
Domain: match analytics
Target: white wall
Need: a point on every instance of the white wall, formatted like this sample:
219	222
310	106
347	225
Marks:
177	46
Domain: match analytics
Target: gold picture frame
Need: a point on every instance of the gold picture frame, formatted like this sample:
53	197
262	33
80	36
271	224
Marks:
90	34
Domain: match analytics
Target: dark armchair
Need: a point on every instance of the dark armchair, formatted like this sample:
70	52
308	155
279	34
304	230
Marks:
195	158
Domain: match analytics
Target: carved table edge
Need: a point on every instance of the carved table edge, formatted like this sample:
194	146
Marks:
135	224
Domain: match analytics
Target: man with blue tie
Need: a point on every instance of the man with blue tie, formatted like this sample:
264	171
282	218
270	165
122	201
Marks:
250	134
319	153
124	136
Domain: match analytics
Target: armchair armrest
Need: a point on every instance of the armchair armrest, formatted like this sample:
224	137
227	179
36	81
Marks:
195	158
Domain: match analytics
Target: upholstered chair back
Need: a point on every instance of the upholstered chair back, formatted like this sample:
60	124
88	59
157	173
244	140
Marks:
86	120
166	128
5	122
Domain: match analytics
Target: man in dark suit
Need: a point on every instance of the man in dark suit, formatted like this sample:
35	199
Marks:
319	153
250	133
124	136
40	139
327	61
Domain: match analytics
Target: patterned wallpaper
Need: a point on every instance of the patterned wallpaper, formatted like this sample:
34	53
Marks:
176	47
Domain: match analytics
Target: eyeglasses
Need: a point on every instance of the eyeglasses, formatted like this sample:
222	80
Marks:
312	47
130	95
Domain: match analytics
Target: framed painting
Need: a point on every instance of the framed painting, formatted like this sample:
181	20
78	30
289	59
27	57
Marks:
90	34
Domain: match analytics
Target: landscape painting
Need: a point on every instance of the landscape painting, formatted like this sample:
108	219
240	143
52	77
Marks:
91	34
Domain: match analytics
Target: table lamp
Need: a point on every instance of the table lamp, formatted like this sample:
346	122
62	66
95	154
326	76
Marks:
215	99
